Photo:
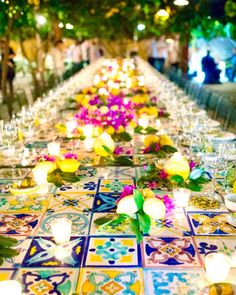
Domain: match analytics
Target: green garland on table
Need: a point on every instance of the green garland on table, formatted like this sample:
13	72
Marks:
6	250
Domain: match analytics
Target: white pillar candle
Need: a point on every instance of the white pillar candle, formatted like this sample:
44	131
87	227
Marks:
54	148
217	267
61	252
181	197
88	131
158	124
61	230
88	144
143	122
70	127
40	176
10	287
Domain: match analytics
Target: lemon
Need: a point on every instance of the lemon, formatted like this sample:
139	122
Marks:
46	166
103	140
127	205
151	139
110	130
165	140
121	129
147	193
177	165
69	165
154	207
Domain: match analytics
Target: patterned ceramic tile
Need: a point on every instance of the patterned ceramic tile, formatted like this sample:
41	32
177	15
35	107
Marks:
47	281
88	159
116	281
3	202
166	252
211	224
16	173
122	229
33	203
116	172
22	247
113	251
87	172
105	202
144	159
4	187
80	223
174	282
207	245
6	274
71	201
114	185
19	224
173	225
88	185
42	251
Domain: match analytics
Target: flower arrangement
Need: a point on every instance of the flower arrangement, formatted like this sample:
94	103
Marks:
176	172
141	207
159	145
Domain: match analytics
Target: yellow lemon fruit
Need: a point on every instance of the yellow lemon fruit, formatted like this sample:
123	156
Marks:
47	166
151	139
103	140
97	130
234	187
147	193
177	165
127	205
165	140
155	208
69	165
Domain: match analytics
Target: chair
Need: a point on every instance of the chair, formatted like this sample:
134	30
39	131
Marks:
204	96
4	112
213	104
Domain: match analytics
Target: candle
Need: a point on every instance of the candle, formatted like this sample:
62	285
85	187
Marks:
217	267
158	124
143	122
40	176
181	197
54	148
61	252
70	127
10	287
61	230
88	130
88	144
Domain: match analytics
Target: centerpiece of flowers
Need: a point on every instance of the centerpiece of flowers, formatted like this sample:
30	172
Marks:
176	172
141	207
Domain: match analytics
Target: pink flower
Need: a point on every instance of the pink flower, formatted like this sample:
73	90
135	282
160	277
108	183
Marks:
45	157
152	184
127	190
192	165
118	150
70	156
163	174
168	202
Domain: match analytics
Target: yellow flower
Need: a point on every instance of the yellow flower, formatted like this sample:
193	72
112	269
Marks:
104	109
93	108
110	130
121	129
234	187
165	140
85	101
153	111
115	108
79	97
115	91
151	139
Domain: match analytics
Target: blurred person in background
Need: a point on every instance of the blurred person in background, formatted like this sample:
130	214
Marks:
57	54
153	55
94	51
209	67
231	67
85	47
174	52
161	53
77	57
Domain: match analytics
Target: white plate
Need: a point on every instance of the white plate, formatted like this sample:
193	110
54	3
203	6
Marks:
231	220
227	136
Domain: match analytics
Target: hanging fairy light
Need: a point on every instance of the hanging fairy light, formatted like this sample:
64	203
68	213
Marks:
162	15
181	2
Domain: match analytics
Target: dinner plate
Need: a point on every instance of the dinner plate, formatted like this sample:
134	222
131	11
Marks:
231	220
224	136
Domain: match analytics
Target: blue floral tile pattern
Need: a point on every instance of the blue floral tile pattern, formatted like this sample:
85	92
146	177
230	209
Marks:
105	202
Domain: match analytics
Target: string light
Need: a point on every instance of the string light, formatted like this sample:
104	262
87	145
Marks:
181	2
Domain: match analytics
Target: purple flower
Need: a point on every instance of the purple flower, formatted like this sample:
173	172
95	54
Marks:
163	174
118	150
192	165
157	147
168	202
45	157
147	150
161	112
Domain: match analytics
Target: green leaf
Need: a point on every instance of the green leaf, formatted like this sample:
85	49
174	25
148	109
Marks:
177	178
138	129
123	160
144	222
169	149
135	228
139	199
150	130
102	220
124	136
194	187
106	148
161	154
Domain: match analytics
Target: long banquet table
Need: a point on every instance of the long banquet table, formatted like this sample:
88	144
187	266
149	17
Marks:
170	260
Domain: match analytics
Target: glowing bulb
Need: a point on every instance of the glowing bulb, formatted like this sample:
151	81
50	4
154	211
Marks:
162	13
41	20
181	2
141	27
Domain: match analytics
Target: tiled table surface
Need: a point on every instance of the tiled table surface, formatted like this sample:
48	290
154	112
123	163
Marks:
169	261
